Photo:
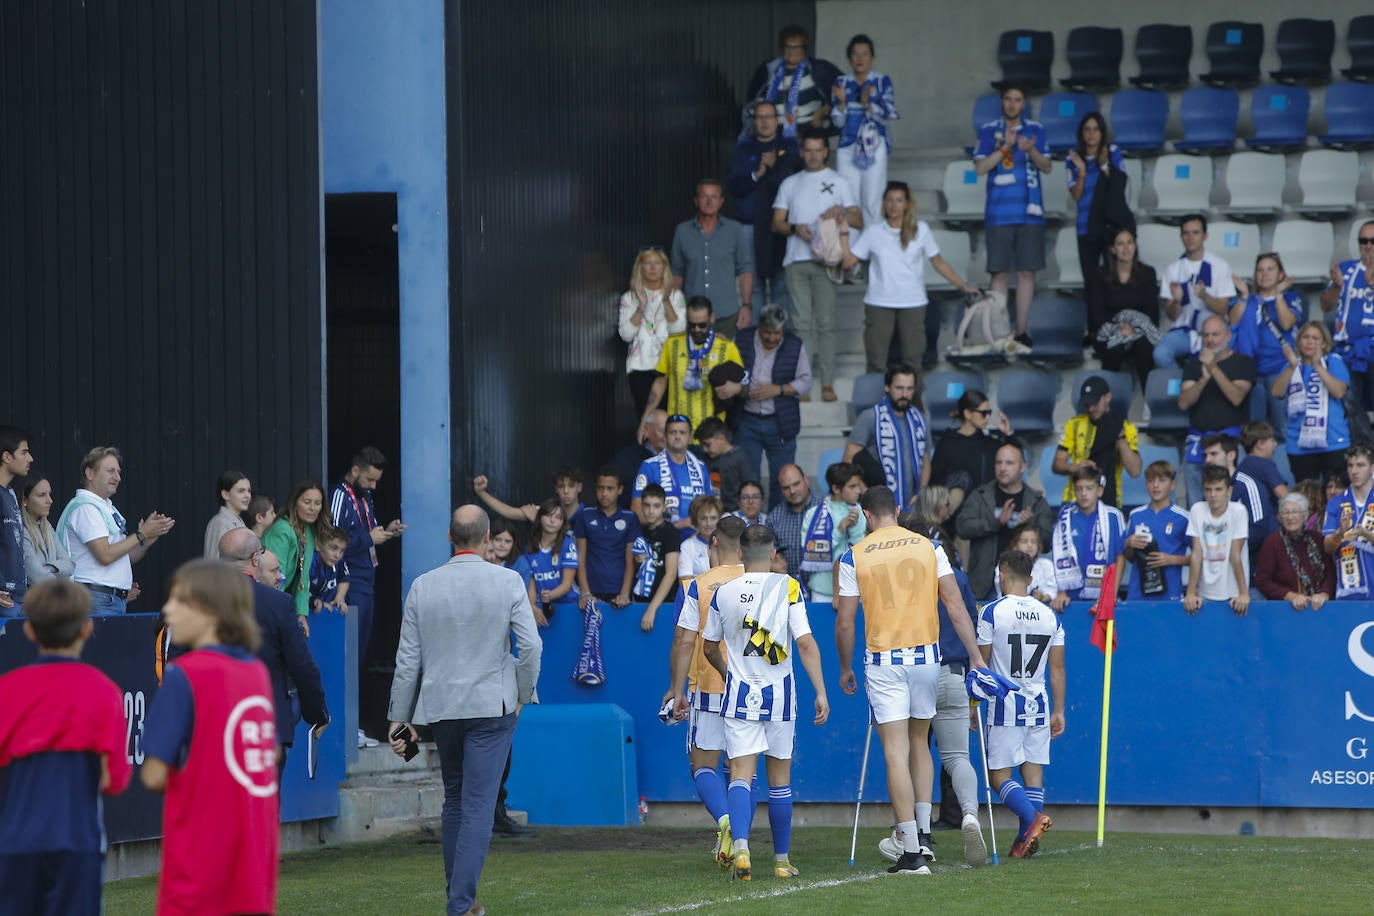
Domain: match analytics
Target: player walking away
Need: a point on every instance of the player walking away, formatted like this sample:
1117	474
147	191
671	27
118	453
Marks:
901	577
700	703
1021	638
760	615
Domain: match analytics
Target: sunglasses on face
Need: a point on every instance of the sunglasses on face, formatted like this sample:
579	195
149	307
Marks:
1365	241
679	418
984	411
693	326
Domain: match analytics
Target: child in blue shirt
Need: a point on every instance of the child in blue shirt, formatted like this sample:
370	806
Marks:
1087	539
1164	524
327	569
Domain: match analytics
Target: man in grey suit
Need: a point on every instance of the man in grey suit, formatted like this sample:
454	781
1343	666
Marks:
455	672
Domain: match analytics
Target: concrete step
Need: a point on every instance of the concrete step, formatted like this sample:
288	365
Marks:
381	760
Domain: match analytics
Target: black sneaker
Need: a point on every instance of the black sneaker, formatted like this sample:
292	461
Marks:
927	842
911	863
504	825
1024	340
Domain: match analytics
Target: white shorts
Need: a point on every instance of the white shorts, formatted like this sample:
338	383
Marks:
744	737
1012	745
705	730
902	691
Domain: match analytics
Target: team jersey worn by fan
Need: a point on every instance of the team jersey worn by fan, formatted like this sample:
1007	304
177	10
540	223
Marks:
757	616
1021	632
547	567
704	682
897	573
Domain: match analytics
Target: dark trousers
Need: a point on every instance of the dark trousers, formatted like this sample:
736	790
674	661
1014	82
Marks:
757	435
52	883
1319	466
640	383
472	753
363	602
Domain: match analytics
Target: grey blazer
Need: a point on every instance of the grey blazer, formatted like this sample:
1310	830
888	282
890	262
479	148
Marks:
454	659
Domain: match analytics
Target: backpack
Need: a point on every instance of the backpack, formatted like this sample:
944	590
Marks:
986	328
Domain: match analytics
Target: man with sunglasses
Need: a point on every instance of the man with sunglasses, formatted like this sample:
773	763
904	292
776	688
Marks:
1098	437
710	254
684	370
1351	294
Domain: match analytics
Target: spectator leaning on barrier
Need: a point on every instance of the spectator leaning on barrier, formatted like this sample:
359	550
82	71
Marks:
710	254
292	538
1292	566
15	461
786	519
605	545
1349	526
1162	524
1088	538
1219	564
993	511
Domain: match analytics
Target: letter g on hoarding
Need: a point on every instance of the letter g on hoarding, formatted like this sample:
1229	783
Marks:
1357	749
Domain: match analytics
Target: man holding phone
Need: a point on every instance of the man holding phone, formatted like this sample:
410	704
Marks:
456	629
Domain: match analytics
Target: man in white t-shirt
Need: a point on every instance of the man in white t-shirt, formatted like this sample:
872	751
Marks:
1196	285
803	200
1219	564
98	537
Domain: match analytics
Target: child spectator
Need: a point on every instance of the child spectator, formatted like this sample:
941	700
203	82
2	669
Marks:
1087	538
659	547
695	557
1219	569
552	558
1026	538
503	552
567	489
263	513
605	544
327	567
211	746
832	528
1258	484
62	744
728	463
1165	525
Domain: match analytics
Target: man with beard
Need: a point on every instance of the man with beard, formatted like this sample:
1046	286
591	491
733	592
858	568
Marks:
890	440
684	369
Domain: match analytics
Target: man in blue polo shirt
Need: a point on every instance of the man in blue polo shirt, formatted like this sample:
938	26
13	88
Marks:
1012	151
605	544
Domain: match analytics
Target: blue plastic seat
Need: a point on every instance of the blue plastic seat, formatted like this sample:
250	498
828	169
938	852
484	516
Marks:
1280	117
1138	117
1161	396
943	389
1057	326
1209	120
1234	50
1163	52
828	457
1060	113
1133	492
1122	385
1305	47
1025	57
1349	113
1360	41
868	390
1027	397
1094	55
1053	484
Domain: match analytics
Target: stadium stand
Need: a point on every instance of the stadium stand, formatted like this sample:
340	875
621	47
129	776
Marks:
1060	113
1025	57
868	390
1057	324
963	195
1027	397
1279	114
944	388
1094	55
1157	244
1133	492
1053	484
1138	117
1254	182
1182	185
1163	52
1054	193
1209	118
1135	177
1238	243
1360	42
1065	256
1349	111
1161	397
1305	47
956	249
1327	180
828	457
1305	246
1233	50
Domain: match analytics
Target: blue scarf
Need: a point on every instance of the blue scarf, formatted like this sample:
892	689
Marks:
817	550
590	670
1072	571
1310	403
886	432
1350	578
700	483
1005	175
691	380
789	119
647	571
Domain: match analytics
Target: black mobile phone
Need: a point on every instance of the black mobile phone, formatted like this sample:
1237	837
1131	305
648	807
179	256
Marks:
412	746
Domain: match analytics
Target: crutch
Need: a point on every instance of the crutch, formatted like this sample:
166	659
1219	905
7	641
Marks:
863	772
983	748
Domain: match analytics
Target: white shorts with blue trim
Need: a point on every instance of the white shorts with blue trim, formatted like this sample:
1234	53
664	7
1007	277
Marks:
1012	745
705	730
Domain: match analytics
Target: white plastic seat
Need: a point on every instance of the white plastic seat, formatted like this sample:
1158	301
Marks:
957	250
1237	243
1157	245
1183	185
965	195
1054	192
1255	183
1305	247
1327	180
1135	177
1066	256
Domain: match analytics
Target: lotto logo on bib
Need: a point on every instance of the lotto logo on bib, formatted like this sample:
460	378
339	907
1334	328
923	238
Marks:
250	746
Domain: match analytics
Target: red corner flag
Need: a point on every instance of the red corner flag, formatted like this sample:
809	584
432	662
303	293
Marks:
1104	610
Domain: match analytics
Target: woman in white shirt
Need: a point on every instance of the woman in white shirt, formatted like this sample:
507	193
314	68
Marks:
649	313
897	250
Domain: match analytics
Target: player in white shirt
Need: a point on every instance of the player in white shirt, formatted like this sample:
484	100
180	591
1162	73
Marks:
759	616
1021	639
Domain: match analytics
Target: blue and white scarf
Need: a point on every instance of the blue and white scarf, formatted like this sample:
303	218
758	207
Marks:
789	108
700	481
887	429
1070	572
691	379
1005	175
817	549
647	571
1355	348
1311	402
590	670
1350	578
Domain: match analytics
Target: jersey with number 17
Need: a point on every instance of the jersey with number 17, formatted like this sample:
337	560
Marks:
1021	632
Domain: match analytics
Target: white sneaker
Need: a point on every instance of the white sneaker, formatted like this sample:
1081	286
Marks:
975	850
891	846
365	741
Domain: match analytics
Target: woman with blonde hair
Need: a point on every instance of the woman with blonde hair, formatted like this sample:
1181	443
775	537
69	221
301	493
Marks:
1312	387
650	312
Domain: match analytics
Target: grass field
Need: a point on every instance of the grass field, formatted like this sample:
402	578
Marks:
668	870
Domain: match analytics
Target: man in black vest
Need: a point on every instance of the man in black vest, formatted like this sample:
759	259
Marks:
778	375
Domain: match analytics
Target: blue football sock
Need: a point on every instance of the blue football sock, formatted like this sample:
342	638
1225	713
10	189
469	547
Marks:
711	791
1037	798
780	818
739	801
1014	797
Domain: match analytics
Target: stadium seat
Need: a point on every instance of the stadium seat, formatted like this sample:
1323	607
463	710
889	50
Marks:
943	389
1060	113
1161	397
1305	246
1305	47
1025	57
1327	180
868	390
1209	120
1349	110
1122	385
1279	114
1053	484
1070	277
1094	55
957	250
1157	245
1360	41
1054	192
964	196
1237	243
1255	184
1133	492
1138	117
1183	184
1234	49
1027	397
1057	325
1163	52
828	457
1135	177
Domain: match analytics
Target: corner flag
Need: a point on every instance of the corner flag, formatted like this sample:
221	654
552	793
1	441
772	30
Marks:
1104	611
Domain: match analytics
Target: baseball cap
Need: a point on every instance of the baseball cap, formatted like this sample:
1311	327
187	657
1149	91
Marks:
1094	387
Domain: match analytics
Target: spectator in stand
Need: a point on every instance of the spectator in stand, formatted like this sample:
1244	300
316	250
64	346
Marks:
292	539
567	489
1098	438
1197	285
98	538
1292	566
897	247
504	552
805	199
235	493
660	545
329	572
1163	524
786	518
1263	328
861	104
1216	384
15	461
1026	539
44	555
779	376
993	511
1351	294
1314	491
729	464
652	310
1348	522
684	369
931	510
758	165
552	558
629	458
1012	152
682	475
1123	311
1088	538
832	528
707	242
1313	392
751	508
890	440
694	557
1219	561
263	512
605	545
964	457
1095	171
799	85
1258	482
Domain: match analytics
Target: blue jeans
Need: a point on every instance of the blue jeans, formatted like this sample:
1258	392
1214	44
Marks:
757	434
104	605
472	756
1172	347
777	283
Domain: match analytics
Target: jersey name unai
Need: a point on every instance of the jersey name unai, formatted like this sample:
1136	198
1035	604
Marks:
757	616
1021	632
703	681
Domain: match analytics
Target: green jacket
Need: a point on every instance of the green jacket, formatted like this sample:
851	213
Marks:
281	539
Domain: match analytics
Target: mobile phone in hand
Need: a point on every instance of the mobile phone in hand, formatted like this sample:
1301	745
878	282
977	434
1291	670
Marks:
412	746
